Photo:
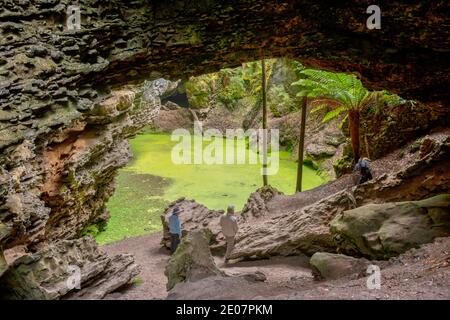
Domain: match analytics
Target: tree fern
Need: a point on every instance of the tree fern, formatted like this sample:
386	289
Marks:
334	113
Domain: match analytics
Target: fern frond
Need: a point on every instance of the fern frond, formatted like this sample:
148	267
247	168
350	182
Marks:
333	113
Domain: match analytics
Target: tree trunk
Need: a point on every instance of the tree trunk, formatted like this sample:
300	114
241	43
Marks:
301	145
353	117
264	122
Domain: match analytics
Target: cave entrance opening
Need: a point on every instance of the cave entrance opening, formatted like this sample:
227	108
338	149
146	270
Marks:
224	100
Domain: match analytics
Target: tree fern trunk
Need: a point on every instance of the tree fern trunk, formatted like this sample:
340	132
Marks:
264	121
353	116
301	145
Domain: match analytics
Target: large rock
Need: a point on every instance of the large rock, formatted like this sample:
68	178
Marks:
257	205
384	230
192	260
194	216
330	266
3	264
51	273
298	231
4	232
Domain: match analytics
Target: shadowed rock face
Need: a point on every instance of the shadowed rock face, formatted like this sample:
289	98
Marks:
64	267
62	128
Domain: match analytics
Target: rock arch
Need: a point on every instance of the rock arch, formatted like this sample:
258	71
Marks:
65	116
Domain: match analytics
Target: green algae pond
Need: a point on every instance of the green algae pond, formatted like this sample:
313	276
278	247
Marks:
152	180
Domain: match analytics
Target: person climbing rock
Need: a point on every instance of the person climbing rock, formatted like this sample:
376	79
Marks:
229	226
363	168
174	229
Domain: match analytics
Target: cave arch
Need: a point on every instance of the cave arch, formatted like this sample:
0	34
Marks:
61	110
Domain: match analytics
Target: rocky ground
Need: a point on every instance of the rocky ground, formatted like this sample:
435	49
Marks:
418	274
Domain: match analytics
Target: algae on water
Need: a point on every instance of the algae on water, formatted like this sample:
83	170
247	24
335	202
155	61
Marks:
151	181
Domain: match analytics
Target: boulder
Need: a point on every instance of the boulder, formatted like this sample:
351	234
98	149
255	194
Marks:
192	261
385	230
330	266
258	203
194	216
291	232
4	232
67	269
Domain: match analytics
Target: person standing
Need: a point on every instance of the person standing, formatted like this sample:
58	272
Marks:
229	225
174	230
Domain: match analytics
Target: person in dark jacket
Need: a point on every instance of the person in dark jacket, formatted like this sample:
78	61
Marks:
174	230
363	168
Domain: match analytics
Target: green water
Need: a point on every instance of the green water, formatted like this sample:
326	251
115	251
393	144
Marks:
151	181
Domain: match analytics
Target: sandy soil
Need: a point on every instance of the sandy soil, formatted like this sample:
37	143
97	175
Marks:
152	258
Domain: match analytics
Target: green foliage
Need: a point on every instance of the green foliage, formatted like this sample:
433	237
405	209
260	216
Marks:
137	281
280	101
333	113
345	89
151	181
199	89
90	230
232	87
228	86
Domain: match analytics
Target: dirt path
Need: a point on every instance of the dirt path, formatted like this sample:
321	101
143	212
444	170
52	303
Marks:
418	274
151	283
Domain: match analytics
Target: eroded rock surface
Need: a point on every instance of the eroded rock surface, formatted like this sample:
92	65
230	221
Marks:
331	266
53	272
380	231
